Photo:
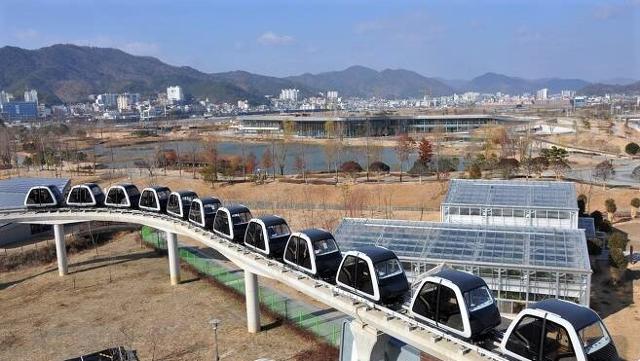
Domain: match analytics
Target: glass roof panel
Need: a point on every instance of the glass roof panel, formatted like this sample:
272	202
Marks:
532	194
536	247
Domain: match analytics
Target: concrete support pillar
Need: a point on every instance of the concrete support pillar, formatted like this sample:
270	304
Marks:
174	259
61	249
368	343
253	303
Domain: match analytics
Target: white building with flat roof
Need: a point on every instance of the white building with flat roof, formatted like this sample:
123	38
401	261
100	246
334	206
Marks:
31	96
175	94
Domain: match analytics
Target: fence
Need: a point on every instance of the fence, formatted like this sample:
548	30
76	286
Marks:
324	324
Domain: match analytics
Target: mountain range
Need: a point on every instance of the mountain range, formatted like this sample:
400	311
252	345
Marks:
67	73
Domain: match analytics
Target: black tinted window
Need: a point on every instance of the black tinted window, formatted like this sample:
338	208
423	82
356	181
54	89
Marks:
221	223
525	338
304	256
290	252
449	310
348	271
364	282
426	303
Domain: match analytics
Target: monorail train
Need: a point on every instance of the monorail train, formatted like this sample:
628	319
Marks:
267	235
179	204
85	195
154	199
203	210
315	252
374	273
455	302
44	197
122	196
231	222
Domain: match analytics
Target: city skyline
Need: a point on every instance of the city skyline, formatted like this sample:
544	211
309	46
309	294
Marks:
454	40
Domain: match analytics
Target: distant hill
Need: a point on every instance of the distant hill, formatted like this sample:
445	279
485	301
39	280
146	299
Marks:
360	81
493	82
601	89
68	73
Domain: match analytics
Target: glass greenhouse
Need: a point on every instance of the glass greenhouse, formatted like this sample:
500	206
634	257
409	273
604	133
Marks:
511	203
520	264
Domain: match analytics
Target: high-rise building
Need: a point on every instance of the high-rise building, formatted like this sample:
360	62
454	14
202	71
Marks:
175	94
107	100
542	94
289	94
31	95
243	104
5	97
127	100
332	95
568	94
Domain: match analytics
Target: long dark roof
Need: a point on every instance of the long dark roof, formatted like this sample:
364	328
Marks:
316	234
376	254
271	220
465	281
578	316
237	208
209	200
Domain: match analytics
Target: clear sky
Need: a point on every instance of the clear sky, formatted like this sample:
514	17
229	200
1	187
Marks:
454	39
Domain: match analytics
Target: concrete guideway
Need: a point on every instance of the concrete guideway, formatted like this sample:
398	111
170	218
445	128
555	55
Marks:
372	320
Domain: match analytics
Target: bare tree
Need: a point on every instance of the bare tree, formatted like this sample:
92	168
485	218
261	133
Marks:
404	146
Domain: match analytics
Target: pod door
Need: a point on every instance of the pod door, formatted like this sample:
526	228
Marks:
196	214
39	197
298	255
221	224
81	196
254	238
440	305
149	201
355	275
534	336
174	205
117	197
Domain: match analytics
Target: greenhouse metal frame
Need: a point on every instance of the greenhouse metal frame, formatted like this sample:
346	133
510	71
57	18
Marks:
511	203
520	264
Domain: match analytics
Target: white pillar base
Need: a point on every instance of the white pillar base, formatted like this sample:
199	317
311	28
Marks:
253	303
368	343
61	249
174	260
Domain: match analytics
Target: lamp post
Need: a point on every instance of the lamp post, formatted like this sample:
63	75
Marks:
214	323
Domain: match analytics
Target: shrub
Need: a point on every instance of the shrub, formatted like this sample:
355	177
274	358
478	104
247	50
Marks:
419	168
379	167
617	240
350	166
635	202
632	148
594	249
582	204
617	259
475	172
610	204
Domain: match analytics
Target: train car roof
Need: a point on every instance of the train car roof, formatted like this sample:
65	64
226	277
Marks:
465	281
237	208
208	200
184	193
376	254
159	188
125	185
577	315
315	234
271	220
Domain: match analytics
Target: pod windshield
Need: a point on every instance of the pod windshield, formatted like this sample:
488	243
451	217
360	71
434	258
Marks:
388	268
278	230
478	298
242	217
324	246
593	337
